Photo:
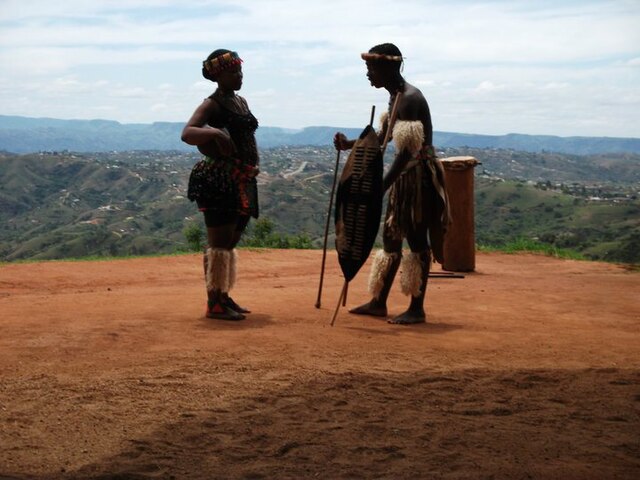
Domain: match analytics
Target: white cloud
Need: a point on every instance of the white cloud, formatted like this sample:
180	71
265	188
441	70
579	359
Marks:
485	66
487	86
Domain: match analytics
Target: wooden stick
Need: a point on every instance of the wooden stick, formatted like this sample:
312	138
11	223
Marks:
392	120
344	297
342	294
326	229
445	275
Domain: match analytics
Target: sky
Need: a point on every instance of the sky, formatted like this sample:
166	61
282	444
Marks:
565	68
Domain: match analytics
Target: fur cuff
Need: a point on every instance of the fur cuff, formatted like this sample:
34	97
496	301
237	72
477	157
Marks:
233	263
381	264
408	135
411	276
218	263
384	119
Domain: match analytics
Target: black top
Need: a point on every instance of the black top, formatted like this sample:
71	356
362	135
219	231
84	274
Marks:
213	183
241	128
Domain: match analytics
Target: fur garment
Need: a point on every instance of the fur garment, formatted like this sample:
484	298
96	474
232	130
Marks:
411	275
382	262
218	269
408	135
233	265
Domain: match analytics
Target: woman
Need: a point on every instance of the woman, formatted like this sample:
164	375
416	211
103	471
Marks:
223	183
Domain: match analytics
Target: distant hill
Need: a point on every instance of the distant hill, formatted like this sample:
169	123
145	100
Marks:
58	205
28	135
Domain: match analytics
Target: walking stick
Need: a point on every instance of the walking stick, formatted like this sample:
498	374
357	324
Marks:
342	294
344	297
392	120
326	229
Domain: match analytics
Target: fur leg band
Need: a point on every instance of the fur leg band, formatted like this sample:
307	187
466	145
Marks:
233	263
411	276
382	262
218	263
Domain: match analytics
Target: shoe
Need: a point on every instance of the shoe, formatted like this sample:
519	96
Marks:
220	311
234	306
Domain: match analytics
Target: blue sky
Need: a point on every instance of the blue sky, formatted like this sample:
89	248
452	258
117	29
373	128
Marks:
562	68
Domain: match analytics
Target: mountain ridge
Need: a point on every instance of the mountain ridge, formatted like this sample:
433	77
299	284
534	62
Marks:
98	135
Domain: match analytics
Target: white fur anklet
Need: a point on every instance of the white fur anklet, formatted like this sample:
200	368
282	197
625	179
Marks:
233	264
218	263
382	262
411	275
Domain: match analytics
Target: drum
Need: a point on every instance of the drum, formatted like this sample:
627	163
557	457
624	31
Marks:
459	241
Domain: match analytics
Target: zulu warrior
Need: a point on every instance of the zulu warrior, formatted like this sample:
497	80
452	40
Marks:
417	204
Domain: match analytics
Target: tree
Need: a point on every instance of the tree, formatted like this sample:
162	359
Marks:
263	234
262	230
195	237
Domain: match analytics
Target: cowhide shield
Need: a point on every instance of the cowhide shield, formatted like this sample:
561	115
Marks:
359	203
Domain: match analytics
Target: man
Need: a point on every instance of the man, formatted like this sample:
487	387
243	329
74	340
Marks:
417	205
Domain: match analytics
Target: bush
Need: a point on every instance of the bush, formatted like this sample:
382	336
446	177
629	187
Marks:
194	235
263	234
534	246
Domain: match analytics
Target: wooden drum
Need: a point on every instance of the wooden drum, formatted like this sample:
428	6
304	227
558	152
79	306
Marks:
459	241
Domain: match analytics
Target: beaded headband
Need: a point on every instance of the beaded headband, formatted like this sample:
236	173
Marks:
380	56
221	62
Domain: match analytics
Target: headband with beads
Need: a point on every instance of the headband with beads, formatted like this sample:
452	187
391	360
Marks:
221	62
380	56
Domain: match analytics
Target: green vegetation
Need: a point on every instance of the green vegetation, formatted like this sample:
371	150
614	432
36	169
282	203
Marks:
128	204
262	234
532	246
259	234
195	236
560	220
95	258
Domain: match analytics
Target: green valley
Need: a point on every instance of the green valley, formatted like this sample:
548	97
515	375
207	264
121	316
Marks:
60	205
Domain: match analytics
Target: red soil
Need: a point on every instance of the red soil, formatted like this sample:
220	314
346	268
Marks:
527	368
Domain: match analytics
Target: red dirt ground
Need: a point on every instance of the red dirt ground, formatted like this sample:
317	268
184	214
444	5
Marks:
527	368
